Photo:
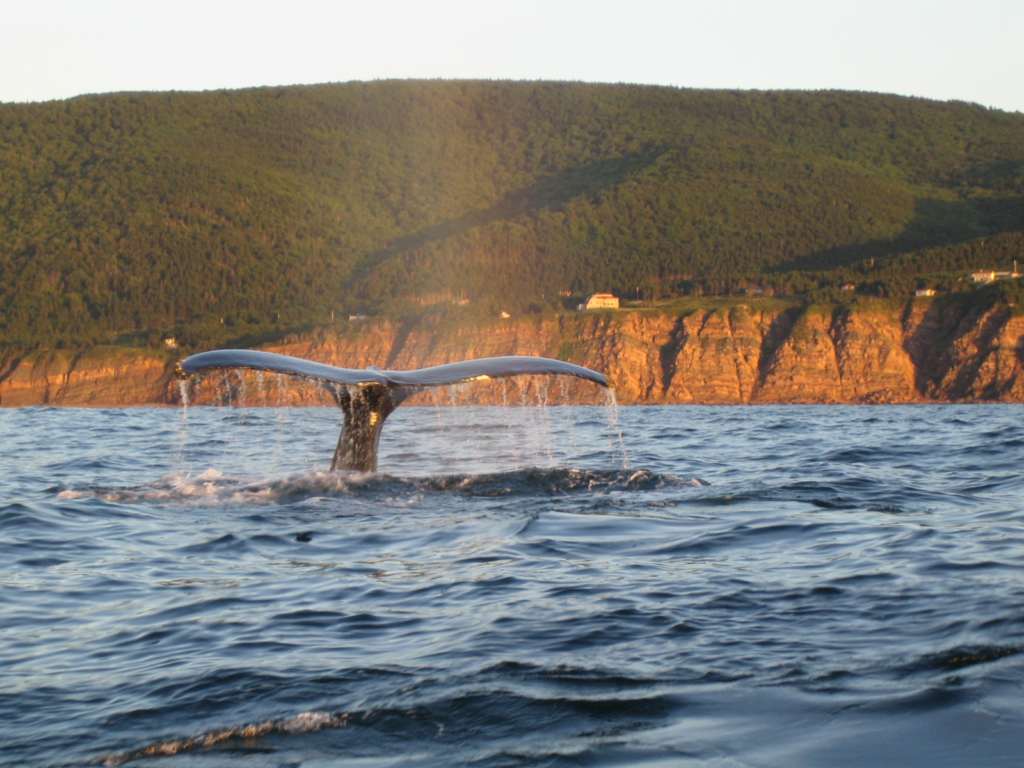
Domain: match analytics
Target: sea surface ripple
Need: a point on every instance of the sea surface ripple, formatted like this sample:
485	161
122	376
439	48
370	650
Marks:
556	586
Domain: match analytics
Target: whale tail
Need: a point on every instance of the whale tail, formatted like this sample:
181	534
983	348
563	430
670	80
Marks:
365	410
371	395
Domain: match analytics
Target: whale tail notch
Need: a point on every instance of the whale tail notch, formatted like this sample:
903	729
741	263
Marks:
369	396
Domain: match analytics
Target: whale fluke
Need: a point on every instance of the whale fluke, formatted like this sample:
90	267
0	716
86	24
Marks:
377	392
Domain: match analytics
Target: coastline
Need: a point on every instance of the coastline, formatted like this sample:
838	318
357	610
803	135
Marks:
739	354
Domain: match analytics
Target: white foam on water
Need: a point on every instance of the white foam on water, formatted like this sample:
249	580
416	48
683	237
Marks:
213	487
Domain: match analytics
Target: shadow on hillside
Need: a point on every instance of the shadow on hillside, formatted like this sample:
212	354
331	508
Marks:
997	175
936	223
551	192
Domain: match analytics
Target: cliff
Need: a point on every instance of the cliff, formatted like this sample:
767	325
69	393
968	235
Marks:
715	353
102	376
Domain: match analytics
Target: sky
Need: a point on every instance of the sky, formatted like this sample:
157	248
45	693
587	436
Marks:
57	49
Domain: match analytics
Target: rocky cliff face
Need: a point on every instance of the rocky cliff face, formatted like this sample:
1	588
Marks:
732	353
104	376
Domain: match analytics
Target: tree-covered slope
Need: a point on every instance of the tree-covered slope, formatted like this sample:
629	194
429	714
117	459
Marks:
274	207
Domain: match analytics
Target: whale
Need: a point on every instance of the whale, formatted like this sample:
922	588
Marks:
369	395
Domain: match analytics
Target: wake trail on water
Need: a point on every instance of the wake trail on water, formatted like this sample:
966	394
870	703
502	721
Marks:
213	487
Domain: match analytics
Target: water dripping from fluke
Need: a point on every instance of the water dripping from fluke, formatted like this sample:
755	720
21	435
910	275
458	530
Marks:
183	393
367	397
612	404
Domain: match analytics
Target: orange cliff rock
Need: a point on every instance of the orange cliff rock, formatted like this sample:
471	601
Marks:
102	376
730	354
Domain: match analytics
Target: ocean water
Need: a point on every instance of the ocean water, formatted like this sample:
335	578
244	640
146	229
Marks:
571	586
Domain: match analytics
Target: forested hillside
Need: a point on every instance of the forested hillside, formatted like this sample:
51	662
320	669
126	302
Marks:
225	215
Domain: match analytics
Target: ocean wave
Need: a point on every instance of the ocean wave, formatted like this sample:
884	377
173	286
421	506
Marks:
961	657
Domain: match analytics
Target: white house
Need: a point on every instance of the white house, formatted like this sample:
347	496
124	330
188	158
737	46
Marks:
990	276
601	301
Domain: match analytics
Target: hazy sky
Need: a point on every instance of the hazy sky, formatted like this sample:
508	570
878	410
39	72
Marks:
973	51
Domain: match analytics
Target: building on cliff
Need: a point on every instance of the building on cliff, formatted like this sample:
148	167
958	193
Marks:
990	276
600	301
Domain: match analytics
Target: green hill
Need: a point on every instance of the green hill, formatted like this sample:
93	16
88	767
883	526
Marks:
231	214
